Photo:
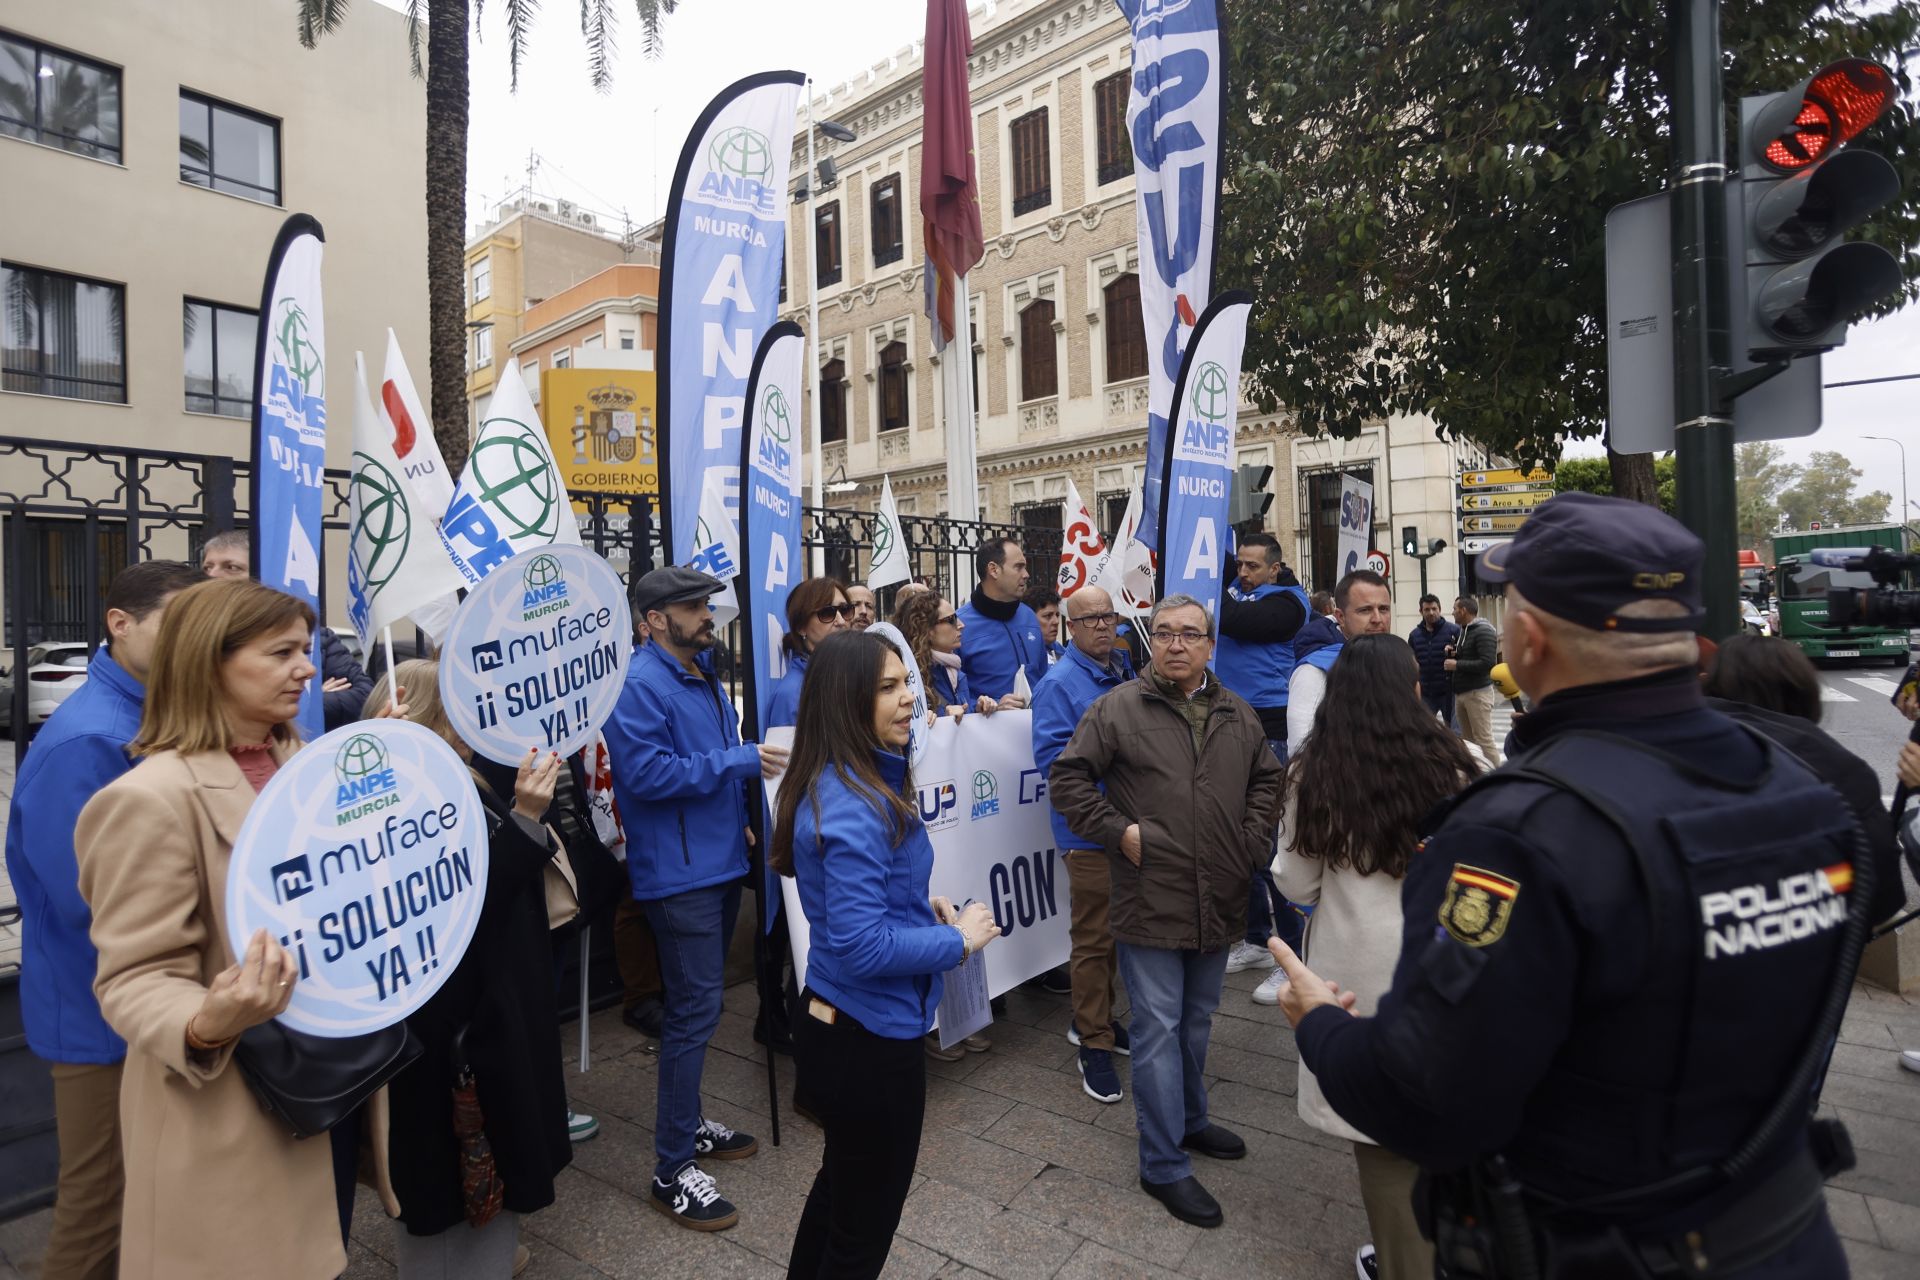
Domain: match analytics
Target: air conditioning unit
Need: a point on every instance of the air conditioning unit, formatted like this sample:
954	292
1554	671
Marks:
566	209
584	219
541	206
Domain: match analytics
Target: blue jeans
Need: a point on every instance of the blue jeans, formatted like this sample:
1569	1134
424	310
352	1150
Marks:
692	931
1174	995
1269	915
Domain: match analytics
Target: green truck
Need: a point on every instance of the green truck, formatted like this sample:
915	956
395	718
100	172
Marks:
1802	587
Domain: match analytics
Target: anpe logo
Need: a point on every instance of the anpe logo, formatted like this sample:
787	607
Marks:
362	771
543	582
291	879
776	434
939	804
1209	398
883	536
739	165
296	351
516	481
382	525
986	795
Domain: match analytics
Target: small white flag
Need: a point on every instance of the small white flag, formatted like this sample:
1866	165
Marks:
1081	546
1021	688
1124	569
890	561
511	496
716	545
411	433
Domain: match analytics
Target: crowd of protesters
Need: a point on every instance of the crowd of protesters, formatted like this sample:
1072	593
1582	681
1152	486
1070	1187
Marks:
1232	782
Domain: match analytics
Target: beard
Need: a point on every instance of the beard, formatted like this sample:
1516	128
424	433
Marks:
701	637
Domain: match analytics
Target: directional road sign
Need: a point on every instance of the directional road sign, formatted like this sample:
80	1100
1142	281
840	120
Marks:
1504	500
1504	476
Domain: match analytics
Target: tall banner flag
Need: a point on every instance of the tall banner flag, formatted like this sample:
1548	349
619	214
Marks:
1175	118
1356	523
716	548
950	207
726	235
394	560
510	497
1198	485
891	563
1081	546
410	432
290	431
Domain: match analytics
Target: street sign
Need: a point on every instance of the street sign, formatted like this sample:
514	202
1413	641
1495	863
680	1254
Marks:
1377	561
1504	476
1491	524
1479	546
1505	500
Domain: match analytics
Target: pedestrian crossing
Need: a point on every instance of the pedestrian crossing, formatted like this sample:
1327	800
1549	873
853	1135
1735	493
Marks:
1879	686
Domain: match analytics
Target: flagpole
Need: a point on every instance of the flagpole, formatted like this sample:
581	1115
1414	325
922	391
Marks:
812	241
393	681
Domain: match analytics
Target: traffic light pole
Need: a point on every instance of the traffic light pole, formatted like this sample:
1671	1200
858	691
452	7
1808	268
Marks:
1702	347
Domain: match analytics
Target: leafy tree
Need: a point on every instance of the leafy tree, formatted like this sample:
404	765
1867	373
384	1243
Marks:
1595	475
1824	492
1761	475
444	69
1417	190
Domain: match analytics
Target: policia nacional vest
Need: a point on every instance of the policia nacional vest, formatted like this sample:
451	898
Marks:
1751	888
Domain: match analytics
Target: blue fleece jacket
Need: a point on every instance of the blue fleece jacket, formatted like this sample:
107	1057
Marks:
1318	643
993	647
679	774
949	689
877	953
1070	686
784	706
80	749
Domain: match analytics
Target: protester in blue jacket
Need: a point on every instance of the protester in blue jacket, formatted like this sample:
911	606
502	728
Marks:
1005	636
934	632
1431	640
1093	664
80	749
1045	603
679	775
848	829
816	608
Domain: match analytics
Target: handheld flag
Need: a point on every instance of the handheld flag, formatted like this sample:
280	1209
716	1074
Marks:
890	561
510	497
1081	546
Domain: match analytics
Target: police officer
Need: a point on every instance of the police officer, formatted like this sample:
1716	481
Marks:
1623	955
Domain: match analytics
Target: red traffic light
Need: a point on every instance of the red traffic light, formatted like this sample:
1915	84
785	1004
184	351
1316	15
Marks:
1829	110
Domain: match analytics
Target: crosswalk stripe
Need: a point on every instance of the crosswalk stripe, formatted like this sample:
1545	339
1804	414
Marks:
1879	684
1830	694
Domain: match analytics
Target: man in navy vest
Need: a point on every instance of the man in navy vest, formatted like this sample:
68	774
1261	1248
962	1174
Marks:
1003	635
1260	613
1432	643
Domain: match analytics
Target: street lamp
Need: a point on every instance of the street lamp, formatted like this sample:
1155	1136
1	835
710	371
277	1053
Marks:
1904	502
839	133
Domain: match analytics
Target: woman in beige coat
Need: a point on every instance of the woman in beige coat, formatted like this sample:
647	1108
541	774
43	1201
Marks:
1375	764
214	1186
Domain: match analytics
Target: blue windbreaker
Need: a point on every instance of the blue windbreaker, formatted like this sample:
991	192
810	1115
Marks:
991	650
877	953
80	749
949	689
1070	687
784	706
1258	672
1318	643
679	774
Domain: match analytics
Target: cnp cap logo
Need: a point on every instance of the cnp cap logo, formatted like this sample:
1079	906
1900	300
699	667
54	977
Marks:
739	169
515	480
364	774
382	523
296	350
986	795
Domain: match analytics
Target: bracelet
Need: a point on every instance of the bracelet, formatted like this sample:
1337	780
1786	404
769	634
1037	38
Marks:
966	944
198	1045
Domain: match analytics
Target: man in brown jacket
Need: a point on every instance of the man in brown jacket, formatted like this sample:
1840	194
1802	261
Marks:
1171	774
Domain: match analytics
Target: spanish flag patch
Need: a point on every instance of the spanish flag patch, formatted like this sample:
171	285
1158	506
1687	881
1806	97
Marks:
1478	905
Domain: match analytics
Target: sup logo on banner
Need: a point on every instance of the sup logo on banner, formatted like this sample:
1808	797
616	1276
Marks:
366	856
939	804
537	654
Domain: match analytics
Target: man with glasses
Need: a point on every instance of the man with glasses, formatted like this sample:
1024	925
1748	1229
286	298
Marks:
1092	666
1170	774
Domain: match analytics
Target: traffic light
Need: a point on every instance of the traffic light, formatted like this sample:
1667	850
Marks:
1410	539
1800	192
1249	500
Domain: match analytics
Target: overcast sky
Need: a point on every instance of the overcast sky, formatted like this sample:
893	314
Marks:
600	150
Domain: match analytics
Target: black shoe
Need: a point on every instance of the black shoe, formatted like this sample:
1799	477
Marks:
1186	1200
714	1141
1221	1144
649	1017
1057	982
693	1201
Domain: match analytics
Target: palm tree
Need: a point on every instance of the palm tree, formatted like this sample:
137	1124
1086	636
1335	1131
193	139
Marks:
444	69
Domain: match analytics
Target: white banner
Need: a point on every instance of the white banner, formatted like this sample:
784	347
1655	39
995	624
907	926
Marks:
410	432
511	496
985	806
1124	570
716	548
890	560
1081	546
1356	525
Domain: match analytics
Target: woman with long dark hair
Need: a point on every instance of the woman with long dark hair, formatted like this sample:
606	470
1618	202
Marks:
932	627
1375	765
816	608
847	827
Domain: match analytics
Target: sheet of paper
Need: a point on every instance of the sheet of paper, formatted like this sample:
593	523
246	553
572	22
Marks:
963	1004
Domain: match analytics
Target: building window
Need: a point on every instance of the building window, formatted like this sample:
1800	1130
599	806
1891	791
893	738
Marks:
888	225
482	347
893	386
1113	513
59	99
563	358
483	278
1126	330
1040	515
530	374
226	148
833	401
1032	171
973	359
783	279
826	245
219	344
1039	365
62	335
1115	150
626	339
594	342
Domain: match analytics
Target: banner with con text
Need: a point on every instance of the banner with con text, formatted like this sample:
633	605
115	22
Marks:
1174	117
725	239
985	806
290	431
1198	486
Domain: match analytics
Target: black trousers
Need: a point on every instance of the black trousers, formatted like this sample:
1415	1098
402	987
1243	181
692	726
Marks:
870	1092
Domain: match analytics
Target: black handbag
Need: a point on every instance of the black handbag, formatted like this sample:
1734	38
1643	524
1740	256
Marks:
311	1083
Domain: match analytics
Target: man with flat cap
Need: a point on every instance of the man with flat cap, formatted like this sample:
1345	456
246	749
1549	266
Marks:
679	775
1625	954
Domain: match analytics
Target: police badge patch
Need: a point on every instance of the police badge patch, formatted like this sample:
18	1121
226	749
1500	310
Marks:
1478	905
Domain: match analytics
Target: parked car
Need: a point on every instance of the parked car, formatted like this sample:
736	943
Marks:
54	670
1752	620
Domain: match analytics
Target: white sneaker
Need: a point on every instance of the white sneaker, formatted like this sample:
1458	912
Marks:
1244	955
1910	1059
1268	992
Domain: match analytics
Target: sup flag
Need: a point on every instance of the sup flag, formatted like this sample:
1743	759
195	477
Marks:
290	432
726	233
1081	546
394	560
510	496
1198	483
890	561
1174	117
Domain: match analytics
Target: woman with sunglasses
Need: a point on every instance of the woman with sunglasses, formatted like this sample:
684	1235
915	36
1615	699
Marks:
816	609
932	627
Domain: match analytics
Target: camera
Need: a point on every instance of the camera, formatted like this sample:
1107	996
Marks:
1885	605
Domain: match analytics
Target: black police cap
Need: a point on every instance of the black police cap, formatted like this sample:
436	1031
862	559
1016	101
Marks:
1583	557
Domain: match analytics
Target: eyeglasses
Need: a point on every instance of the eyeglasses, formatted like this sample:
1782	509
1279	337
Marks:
1098	621
1180	639
829	612
950	618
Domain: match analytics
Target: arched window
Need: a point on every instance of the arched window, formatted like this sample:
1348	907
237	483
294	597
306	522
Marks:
893	386
833	401
1126	331
1039	366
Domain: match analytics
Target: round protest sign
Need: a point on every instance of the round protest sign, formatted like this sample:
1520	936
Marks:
366	856
917	747
537	654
